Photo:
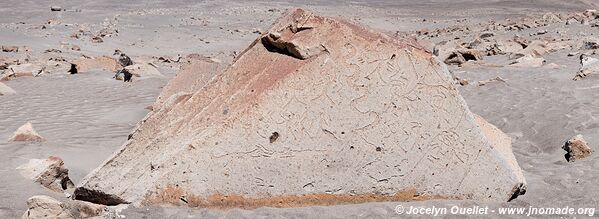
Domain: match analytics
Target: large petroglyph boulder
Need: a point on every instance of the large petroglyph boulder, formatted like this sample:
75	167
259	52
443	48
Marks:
316	111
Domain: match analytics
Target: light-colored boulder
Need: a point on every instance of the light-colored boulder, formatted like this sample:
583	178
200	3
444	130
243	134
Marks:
577	149
26	133
528	61
508	47
27	69
534	49
453	53
6	90
50	173
103	63
144	70
42	206
369	118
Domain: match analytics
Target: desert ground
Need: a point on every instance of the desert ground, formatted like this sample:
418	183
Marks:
86	117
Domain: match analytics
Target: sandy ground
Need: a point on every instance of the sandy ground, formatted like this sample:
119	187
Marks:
86	117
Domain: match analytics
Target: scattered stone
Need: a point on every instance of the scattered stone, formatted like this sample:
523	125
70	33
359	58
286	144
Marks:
27	69
534	49
6	90
10	49
103	63
577	149
528	61
143	70
509	47
42	206
485	82
73	69
553	66
487	35
97	39
590	43
75	48
55	8
5	62
590	66
26	133
50	173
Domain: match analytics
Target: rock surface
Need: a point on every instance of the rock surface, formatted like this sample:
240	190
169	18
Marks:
50	173
191	78
311	104
577	149
26	133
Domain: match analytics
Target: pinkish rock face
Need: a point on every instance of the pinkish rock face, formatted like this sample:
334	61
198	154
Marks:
313	112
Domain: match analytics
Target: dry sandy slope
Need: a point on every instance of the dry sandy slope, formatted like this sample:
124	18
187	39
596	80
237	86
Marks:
86	117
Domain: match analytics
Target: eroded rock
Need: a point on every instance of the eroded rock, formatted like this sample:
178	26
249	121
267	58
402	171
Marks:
26	133
50	173
577	149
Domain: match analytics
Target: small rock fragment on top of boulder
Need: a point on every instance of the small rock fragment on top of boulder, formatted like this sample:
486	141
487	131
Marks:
26	133
577	149
6	90
50	173
55	8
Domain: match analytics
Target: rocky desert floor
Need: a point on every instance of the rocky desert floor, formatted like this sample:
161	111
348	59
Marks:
514	62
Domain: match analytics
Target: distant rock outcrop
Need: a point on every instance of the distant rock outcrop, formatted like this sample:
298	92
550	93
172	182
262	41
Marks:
317	111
